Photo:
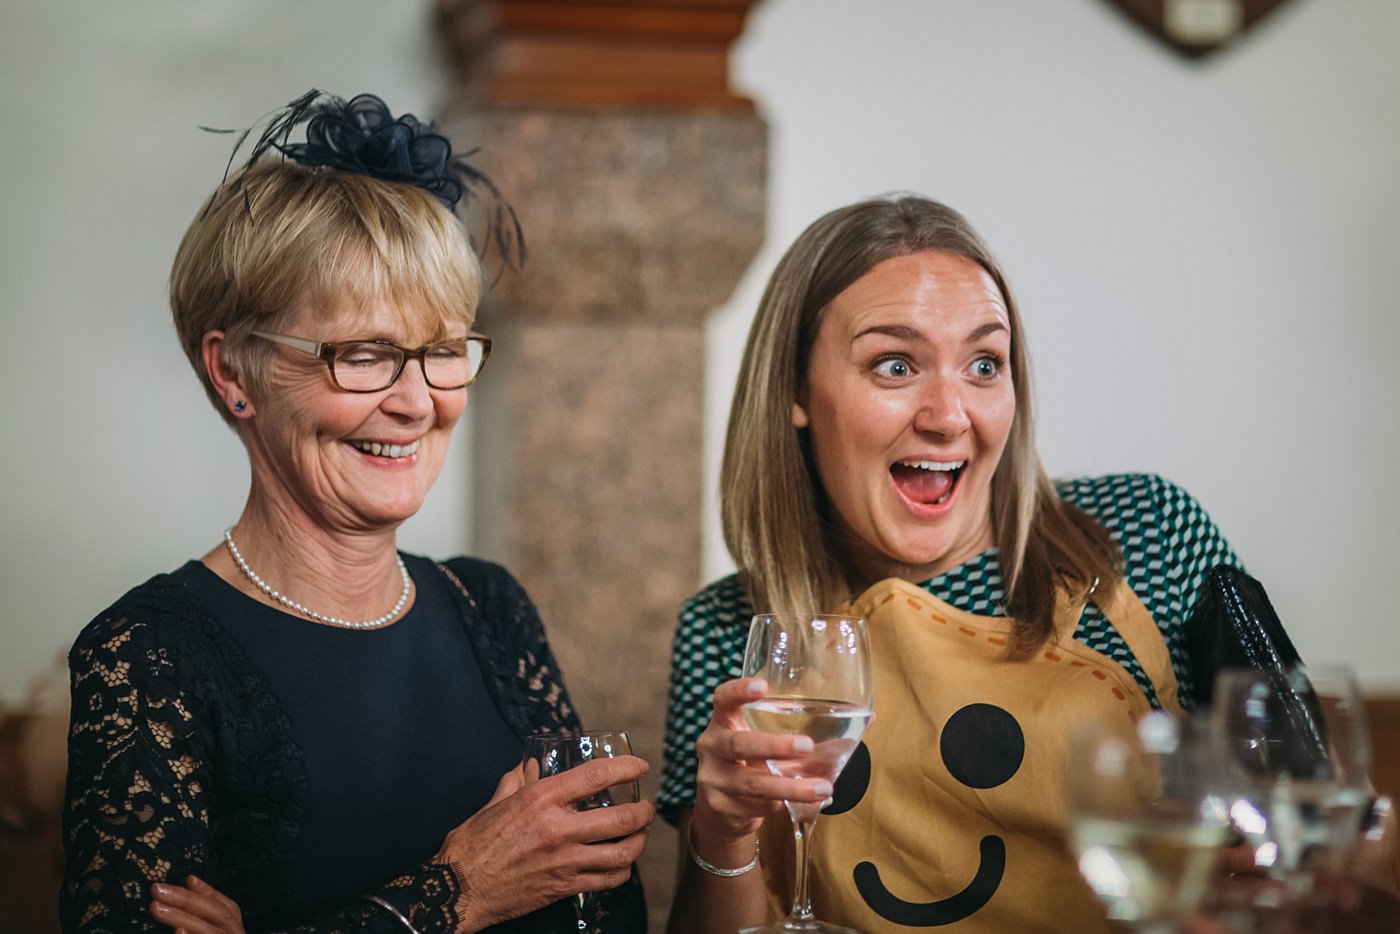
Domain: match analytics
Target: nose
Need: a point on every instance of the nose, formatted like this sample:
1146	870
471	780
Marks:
941	410
410	397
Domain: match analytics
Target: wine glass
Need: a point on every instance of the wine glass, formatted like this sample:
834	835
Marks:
545	754
819	685
551	753
1145	817
1296	746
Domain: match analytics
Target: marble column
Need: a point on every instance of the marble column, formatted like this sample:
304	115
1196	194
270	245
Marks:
641	208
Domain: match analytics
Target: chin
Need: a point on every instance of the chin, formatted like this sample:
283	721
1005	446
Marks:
919	557
390	515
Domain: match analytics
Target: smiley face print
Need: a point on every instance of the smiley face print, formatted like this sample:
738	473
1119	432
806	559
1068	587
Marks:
950	814
981	746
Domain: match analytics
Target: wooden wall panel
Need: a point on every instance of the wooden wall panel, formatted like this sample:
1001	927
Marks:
1383	717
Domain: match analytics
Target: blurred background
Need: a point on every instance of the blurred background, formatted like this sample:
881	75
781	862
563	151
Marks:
1206	253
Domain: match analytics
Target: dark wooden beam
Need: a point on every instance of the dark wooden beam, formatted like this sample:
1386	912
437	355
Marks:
595	53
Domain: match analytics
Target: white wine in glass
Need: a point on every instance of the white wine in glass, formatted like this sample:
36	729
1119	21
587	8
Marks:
1146	820
1296	746
819	685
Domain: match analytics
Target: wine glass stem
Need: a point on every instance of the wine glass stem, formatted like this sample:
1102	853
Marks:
801	898
584	911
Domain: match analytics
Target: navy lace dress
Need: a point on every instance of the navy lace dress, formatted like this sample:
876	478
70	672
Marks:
301	768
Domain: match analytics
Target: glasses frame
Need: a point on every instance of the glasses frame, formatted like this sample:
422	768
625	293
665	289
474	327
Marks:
327	350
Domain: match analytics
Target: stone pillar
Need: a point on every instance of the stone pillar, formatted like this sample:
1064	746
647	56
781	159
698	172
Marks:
639	179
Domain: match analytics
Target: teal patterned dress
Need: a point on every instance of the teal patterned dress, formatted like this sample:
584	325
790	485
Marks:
1168	544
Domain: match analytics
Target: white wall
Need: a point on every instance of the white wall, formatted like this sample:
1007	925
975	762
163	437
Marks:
115	467
1205	255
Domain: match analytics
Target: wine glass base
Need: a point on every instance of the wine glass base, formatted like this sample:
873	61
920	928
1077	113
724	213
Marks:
793	926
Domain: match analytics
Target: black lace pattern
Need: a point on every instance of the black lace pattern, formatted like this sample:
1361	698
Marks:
181	760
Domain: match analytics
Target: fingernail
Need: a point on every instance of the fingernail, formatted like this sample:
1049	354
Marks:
802	744
824	789
161	889
757	686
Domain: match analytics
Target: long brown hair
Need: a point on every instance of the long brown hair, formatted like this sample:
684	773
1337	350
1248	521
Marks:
772	502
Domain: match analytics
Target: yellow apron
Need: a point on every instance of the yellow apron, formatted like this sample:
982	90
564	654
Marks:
951	813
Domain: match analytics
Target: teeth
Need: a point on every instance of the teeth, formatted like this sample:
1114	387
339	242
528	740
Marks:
386	450
934	465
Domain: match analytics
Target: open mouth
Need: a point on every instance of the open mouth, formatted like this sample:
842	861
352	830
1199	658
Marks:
391	451
929	483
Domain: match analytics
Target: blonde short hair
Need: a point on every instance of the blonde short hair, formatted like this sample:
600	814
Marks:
777	518
279	236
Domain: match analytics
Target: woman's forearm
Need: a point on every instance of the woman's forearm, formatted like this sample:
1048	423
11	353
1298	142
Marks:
706	902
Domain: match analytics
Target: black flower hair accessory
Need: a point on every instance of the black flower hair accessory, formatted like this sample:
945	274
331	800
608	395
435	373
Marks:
361	135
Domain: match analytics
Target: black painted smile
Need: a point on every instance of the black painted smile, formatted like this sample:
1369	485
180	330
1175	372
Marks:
944	910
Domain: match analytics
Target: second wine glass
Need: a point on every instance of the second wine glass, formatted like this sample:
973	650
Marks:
819	685
1145	817
551	753
1295	743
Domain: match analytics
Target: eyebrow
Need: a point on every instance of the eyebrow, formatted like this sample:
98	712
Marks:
892	330
901	332
991	327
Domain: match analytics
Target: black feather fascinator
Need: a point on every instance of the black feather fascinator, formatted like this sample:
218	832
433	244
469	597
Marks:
362	136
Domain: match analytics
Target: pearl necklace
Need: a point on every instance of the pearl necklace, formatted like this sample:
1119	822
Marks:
291	604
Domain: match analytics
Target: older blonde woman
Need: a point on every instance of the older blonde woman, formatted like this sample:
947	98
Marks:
881	456
305	729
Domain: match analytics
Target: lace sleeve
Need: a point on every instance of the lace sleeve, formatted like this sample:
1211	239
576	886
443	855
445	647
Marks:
521	673
137	806
178	765
426	899
621	910
527	680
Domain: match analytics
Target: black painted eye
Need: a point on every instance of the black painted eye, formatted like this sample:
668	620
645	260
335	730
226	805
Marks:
851	783
982	745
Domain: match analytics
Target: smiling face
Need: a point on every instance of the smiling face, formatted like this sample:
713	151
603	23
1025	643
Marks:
909	401
346	461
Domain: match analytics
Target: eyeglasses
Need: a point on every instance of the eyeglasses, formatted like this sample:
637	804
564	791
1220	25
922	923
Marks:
372	366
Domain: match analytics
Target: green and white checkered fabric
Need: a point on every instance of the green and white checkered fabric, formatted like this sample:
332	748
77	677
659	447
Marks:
1168	544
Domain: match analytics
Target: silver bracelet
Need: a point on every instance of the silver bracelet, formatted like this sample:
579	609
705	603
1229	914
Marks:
393	911
711	868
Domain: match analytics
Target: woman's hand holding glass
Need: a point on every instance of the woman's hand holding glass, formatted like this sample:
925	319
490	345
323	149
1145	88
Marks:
735	790
550	754
531	845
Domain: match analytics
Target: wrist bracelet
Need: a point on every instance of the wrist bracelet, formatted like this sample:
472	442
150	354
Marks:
711	868
382	903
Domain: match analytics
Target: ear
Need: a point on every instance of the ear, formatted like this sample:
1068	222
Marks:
799	416
225	380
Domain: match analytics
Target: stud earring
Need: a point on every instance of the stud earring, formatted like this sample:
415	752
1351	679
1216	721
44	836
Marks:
240	405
